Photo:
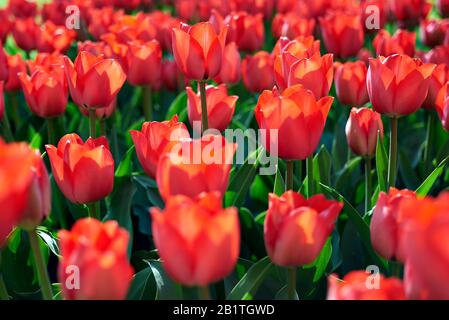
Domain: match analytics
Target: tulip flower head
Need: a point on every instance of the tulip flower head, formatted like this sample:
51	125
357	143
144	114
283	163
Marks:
231	67
350	83
257	72
402	42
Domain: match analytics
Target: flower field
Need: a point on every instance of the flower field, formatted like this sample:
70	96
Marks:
224	150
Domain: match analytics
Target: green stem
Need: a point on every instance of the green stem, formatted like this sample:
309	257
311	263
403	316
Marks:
289	175
103	127
299	169
148	103
310	181
51	124
291	285
367	184
395	269
7	134
392	163
429	140
92	123
204	293
15	110
204	120
3	291
94	210
44	280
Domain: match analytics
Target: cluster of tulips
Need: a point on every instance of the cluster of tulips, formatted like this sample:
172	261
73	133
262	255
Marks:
296	67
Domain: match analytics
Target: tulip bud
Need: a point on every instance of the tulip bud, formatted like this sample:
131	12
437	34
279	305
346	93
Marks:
298	114
438	55
433	32
25	33
3	65
246	30
354	287
350	83
405	73
151	141
53	38
16	65
439	77
257	72
443	7
231	66
6	25
291	25
84	171
385	226
140	58
197	240
408	13
22	8
296	229
402	42
98	251
220	106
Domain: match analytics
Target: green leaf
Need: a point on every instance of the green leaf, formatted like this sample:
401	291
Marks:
321	261
279	184
425	187
248	285
381	165
282	294
125	167
322	163
178	106
50	240
251	233
143	286
407	173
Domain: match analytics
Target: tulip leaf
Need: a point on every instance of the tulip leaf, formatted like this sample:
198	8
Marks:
282	294
406	170
322	163
251	232
381	164
125	167
427	185
279	184
321	261
251	281
49	239
143	285
179	107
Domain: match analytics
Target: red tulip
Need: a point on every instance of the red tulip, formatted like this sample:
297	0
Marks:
402	42
6	25
140	58
257	72
438	55
364	55
386	230
296	229
101	113
197	240
409	12
220	106
355	286
151	141
15	66
299	118
191	167
231	66
101	19
26	33
94	81
84	171
246	30
433	32
198	50
426	227
292	26
4	72
366	10
342	33
387	80
164	23
439	77
443	7
99	252
53	38
362	129
171	76
47	62
130	28
300	47
442	105
45	92
22	8
350	83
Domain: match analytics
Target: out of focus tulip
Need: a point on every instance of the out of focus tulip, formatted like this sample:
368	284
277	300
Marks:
296	228
257	72
197	240
402	42
433	32
101	19
362	129
84	171
26	32
45	92
101	113
438	55
151	141
299	118
190	167
15	66
300	47
426	226
143	63
443	7
2	99
198	50
442	105
99	251
231	66
53	38
246	30
6	25
385	228
172	78
342	33
439	77
94	81
164	23
220	106
4	72
22	8
357	285
350	82
369	10
292	26
388	79
408	13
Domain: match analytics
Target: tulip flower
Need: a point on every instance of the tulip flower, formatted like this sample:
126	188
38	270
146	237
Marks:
197	240
172	78
101	19
191	167
443	7
246	30
350	83
387	79
369	9
15	66
402	42
292	26
231	66
45	92
433	32
84	171
354	286
7	24
151	141
438	55
385	228
296	229
25	33
439	77
425	225
257	72
3	65
442	105
22	8
408	13
300	47
342	33
99	252
220	106
53	38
